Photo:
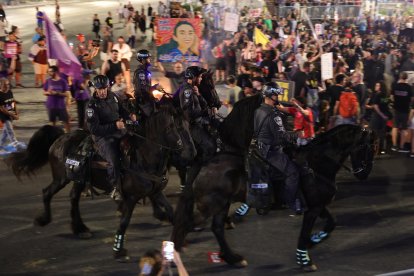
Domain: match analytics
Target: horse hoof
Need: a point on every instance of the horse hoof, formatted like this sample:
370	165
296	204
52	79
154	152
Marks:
41	221
85	235
124	259
230	226
309	268
121	255
241	264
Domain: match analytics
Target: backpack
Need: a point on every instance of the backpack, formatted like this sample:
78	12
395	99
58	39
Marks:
348	105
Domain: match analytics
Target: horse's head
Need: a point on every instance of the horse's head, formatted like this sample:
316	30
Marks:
362	154
208	90
188	152
161	129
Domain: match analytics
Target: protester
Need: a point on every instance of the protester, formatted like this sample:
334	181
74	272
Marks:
8	113
38	56
57	91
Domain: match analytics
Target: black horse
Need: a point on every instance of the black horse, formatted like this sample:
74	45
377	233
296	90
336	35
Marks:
324	155
144	161
208	91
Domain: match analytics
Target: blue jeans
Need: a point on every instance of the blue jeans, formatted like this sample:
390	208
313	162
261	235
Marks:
8	133
345	121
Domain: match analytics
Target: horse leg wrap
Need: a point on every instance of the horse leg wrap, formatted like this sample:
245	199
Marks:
318	237
242	210
119	242
302	258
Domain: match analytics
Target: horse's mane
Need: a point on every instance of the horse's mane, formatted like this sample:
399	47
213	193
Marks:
156	122
208	90
237	128
340	136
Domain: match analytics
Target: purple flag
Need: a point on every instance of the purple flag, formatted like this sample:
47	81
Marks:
57	48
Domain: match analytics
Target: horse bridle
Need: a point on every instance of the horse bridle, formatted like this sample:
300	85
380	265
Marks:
168	129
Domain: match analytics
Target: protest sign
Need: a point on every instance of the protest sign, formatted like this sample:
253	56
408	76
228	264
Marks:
231	22
288	90
327	66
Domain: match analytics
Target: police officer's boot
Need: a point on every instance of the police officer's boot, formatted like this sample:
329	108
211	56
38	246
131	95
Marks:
116	191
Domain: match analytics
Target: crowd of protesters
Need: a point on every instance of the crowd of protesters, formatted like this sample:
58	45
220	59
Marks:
373	61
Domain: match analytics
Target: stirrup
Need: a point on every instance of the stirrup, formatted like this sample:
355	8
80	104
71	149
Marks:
242	210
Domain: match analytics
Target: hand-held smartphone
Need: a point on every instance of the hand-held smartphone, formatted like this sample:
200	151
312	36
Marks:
168	250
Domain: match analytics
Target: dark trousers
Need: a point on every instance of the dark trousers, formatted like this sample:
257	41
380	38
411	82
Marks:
205	144
108	148
282	162
379	125
81	107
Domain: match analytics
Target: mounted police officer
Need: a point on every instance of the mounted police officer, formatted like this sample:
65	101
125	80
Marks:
104	118
195	108
142	84
271	138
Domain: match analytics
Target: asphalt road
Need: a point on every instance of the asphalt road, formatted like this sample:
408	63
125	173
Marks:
375	217
374	233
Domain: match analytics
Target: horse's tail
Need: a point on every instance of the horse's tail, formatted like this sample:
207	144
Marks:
183	217
37	153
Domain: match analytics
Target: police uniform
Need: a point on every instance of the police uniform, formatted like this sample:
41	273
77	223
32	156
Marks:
101	117
271	137
196	109
142	86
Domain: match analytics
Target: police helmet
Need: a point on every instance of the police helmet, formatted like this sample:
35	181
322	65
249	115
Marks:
272	88
193	72
100	81
143	54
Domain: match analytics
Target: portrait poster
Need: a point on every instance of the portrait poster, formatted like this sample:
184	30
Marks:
178	39
327	66
288	90
231	22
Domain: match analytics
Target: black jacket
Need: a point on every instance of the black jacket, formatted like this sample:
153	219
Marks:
102	114
193	106
269	129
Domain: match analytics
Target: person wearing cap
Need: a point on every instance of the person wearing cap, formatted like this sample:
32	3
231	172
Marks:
271	137
105	120
195	108
142	84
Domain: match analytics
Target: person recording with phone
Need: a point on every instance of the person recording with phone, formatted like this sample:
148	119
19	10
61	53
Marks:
155	263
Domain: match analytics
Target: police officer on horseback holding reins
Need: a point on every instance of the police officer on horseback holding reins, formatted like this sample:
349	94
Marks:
142	84
105	120
195	108
271	137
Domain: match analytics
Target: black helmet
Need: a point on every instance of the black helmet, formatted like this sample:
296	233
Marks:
193	72
143	54
272	88
100	81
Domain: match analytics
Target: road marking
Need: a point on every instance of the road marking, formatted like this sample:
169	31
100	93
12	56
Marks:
402	272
